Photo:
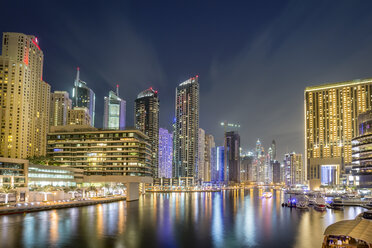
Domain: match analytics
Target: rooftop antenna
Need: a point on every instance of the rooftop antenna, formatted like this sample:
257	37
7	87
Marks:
117	90
78	74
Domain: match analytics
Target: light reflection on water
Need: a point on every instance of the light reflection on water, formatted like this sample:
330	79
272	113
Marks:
237	218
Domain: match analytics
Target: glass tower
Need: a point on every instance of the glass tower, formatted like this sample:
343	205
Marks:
114	112
83	97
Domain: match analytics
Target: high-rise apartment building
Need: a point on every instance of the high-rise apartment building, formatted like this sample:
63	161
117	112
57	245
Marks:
165	153
84	97
246	168
209	144
218	164
146	118
187	128
78	116
24	97
273	149
60	103
362	152
331	116
114	111
232	150
201	155
297	173
276	171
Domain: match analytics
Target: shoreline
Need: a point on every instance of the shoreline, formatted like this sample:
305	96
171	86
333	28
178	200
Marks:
72	204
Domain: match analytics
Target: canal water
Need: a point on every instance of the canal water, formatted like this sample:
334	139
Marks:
234	218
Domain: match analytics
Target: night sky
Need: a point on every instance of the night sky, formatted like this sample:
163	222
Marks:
254	58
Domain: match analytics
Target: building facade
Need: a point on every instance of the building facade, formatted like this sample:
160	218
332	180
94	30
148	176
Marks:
362	152
297	173
24	97
84	97
276	171
106	153
218	164
114	111
60	103
165	153
186	128
232	157
201	155
78	116
331	116
209	144
246	168
146	111
58	176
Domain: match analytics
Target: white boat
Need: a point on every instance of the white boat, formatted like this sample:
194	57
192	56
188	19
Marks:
267	194
303	202
349	202
320	204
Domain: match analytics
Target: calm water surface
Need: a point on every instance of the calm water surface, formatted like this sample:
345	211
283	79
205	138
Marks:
239	218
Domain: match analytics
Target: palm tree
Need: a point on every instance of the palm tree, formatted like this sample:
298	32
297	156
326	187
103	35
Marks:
7	190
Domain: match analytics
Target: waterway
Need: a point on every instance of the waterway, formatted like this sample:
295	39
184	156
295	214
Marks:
234	218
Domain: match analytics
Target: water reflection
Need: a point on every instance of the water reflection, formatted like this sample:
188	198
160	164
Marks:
237	218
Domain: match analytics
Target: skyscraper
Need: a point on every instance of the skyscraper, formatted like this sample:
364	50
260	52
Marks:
246	168
294	169
297	169
232	158
331	116
59	105
24	97
276	171
146	109
209	144
273	148
217	163
84	97
165	153
187	128
201	155
114	111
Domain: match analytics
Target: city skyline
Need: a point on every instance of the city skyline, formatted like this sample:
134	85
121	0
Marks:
265	47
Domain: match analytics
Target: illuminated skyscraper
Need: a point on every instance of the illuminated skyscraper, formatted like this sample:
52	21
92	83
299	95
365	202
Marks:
232	157
146	118
331	116
24	97
84	97
165	153
209	144
201	155
187	128
273	148
114	111
218	164
59	105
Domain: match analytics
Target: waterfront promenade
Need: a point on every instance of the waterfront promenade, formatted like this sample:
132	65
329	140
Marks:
16	208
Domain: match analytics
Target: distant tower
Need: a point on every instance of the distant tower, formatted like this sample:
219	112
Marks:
273	148
232	158
114	111
165	153
146	118
187	128
83	97
201	155
258	149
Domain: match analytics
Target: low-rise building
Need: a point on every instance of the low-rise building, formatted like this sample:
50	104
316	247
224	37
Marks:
60	176
114	153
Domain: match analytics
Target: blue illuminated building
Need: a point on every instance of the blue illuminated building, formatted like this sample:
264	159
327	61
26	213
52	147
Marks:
217	164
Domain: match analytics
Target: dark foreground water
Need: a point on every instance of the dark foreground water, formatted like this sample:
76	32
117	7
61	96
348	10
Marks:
239	218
